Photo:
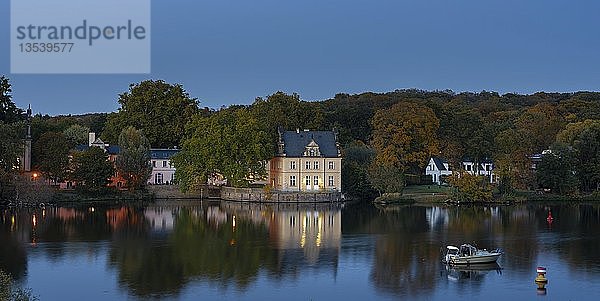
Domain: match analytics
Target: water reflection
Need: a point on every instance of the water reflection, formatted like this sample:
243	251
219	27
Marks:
162	249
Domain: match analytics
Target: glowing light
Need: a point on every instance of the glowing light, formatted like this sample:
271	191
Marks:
92	209
35	175
34	220
234	222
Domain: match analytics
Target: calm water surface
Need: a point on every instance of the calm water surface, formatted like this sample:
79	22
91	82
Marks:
225	251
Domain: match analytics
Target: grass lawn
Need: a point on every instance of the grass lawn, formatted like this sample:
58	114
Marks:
426	189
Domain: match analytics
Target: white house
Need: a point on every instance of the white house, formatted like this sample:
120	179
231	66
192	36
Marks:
436	168
163	171
483	168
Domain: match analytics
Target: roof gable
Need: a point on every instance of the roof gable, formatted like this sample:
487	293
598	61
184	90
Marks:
439	163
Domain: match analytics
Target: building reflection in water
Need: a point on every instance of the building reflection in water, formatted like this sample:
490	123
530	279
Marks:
316	231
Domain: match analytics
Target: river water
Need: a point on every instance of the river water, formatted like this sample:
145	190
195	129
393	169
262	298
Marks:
234	251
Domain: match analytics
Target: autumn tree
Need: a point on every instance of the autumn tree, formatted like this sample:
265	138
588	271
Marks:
230	142
470	188
404	136
92	168
161	110
539	125
133	162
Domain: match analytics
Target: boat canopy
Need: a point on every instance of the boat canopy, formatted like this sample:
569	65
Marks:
452	248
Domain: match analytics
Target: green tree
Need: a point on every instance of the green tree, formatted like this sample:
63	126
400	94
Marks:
287	111
161	110
405	136
52	153
76	134
133	162
93	168
11	149
386	178
556	171
355	170
584	137
8	110
231	143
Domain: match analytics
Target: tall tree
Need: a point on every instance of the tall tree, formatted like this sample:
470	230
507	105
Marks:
556	171
231	143
11	148
8	110
405	136
161	110
539	125
92	168
52	153
287	111
133	162
76	134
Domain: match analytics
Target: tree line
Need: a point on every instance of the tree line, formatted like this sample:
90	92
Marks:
387	138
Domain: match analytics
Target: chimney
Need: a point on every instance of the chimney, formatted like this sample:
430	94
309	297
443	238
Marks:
91	138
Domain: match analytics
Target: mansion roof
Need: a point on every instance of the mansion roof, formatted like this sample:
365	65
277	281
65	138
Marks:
296	143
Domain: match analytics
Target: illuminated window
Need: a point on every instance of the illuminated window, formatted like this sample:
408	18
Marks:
316	180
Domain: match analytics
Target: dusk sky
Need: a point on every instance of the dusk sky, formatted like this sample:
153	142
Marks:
230	52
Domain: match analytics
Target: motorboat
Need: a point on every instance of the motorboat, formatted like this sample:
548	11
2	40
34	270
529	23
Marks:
468	254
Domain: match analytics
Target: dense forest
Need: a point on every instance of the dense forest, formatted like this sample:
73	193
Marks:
387	138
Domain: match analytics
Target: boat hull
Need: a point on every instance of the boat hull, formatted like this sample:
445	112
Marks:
477	259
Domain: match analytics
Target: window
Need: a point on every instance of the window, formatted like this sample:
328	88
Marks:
312	152
330	182
488	167
468	167
307	165
153	163
316	180
331	166
164	163
158	178
292	180
293	165
316	164
307	180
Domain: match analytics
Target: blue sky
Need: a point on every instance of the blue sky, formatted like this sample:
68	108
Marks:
230	52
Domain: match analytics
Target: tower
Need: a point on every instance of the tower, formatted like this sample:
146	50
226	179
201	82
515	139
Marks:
27	152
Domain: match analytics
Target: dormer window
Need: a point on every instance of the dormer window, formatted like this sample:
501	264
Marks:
312	149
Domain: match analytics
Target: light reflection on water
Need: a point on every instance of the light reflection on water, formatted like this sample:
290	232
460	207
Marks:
248	251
